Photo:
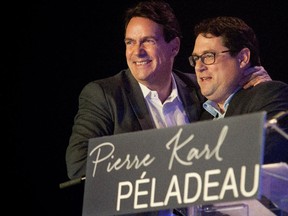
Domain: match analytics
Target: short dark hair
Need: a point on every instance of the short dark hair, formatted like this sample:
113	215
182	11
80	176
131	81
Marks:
235	32
158	11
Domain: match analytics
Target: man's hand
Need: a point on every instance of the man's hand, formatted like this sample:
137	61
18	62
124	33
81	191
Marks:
254	76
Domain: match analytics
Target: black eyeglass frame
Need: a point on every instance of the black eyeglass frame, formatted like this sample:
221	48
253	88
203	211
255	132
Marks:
192	59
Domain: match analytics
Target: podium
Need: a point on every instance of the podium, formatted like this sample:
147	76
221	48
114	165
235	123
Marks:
208	166
202	163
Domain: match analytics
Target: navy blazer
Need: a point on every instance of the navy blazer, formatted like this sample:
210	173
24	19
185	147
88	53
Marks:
116	105
271	97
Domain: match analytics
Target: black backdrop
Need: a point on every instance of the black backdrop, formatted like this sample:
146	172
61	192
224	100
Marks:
66	43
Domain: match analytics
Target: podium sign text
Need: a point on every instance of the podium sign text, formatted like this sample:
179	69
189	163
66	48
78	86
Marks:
201	163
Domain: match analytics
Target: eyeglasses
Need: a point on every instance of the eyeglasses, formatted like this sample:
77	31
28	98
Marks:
207	58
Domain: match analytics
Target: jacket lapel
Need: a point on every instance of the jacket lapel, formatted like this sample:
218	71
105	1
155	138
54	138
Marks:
190	98
136	100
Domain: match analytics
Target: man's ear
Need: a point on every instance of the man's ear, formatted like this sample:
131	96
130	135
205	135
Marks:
175	45
244	57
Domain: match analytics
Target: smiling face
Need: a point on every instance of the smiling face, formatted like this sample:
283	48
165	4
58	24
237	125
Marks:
149	57
220	79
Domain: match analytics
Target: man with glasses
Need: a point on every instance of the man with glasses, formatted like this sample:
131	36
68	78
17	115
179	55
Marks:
224	48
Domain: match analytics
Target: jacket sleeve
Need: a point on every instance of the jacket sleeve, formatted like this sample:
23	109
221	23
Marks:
93	119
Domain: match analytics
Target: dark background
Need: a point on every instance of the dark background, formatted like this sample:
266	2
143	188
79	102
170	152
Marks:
63	45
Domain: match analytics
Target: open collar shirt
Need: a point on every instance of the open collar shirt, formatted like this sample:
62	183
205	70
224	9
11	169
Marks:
170	113
213	109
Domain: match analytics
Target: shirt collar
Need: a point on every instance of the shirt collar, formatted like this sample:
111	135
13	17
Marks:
212	107
147	92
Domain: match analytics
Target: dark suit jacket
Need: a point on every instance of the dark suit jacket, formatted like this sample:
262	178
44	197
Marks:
116	105
271	97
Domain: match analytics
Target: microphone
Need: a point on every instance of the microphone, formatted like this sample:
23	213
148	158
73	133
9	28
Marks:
72	182
272	123
277	117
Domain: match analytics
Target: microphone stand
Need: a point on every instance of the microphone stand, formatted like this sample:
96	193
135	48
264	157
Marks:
72	182
274	126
